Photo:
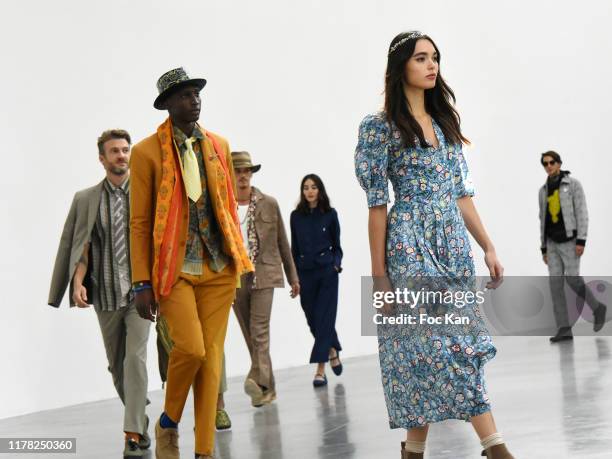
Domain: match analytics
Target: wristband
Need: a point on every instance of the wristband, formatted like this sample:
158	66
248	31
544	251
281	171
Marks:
141	286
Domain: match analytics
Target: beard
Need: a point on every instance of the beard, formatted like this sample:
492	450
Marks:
119	170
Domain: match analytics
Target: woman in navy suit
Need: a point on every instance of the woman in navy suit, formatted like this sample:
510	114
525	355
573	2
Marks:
315	244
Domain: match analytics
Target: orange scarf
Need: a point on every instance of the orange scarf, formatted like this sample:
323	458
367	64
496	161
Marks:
169	208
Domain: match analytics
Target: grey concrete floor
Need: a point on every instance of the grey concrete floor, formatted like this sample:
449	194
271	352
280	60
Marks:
549	401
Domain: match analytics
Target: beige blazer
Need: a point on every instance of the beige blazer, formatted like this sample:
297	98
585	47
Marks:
77	232
274	248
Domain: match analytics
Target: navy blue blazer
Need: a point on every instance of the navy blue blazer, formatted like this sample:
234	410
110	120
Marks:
315	239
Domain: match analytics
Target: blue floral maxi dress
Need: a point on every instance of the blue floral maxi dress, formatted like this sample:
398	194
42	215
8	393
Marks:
427	376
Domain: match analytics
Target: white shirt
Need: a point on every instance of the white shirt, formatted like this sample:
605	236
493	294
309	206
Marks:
244	224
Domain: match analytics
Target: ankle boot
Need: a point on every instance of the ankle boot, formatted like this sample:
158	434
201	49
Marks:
410	455
497	452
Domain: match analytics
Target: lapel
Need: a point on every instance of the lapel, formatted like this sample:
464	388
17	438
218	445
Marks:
258	198
94	205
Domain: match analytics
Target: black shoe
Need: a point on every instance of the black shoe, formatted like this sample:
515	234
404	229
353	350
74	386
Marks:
132	449
319	380
145	439
599	316
563	334
337	369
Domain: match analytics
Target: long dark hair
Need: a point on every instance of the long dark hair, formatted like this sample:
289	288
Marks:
323	202
439	101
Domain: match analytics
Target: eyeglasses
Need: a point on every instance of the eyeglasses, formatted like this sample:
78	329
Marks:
552	162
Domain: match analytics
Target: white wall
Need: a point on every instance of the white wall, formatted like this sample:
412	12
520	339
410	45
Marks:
289	82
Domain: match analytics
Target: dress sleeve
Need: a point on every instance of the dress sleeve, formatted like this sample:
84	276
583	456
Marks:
462	179
371	159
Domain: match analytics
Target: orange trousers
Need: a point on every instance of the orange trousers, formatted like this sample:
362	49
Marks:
197	311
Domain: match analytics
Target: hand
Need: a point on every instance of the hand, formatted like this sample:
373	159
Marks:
383	284
579	250
79	296
496	270
295	289
146	305
545	258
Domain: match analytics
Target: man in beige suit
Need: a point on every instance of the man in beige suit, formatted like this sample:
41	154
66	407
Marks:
94	258
264	236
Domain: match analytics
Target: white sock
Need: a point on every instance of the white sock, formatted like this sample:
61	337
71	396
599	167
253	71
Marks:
492	440
414	446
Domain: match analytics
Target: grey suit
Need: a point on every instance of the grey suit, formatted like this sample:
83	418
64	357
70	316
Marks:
77	232
125	334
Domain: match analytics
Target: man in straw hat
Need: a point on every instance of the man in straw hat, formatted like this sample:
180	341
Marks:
264	237
187	253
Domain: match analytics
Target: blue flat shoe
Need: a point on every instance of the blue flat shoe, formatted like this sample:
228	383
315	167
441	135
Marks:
337	369
319	380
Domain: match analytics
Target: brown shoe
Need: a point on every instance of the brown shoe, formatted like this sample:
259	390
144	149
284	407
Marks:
409	454
497	452
166	443
268	396
254	391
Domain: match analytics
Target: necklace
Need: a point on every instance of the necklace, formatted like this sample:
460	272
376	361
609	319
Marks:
246	214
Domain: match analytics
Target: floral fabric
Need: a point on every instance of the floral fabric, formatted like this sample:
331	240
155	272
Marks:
204	237
253	240
431	375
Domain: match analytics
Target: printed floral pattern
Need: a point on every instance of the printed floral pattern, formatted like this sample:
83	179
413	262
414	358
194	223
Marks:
204	238
427	376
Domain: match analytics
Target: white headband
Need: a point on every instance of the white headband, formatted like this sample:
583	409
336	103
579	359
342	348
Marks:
412	36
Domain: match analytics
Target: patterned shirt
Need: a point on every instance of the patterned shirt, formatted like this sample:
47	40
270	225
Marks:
204	240
112	277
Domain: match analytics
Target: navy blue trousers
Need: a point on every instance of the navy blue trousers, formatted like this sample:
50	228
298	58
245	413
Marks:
319	299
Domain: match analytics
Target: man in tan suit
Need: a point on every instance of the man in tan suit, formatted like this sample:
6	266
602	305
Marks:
265	239
93	257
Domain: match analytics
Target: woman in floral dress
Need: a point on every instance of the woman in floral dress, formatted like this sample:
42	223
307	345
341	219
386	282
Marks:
416	143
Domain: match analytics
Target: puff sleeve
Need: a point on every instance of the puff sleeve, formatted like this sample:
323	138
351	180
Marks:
371	159
462	179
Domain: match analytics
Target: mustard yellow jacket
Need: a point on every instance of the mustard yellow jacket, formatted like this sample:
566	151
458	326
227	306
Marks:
145	177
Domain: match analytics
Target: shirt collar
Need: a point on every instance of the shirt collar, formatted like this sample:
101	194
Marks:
180	137
113	189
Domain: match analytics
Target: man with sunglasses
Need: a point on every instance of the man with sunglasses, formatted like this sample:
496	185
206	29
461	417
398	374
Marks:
563	231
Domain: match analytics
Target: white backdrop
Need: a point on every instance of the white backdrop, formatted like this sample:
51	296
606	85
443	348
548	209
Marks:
288	82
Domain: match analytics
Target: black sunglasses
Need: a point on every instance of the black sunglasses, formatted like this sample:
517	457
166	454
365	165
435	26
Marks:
552	162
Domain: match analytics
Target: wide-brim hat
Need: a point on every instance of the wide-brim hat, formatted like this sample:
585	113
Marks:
172	81
242	159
